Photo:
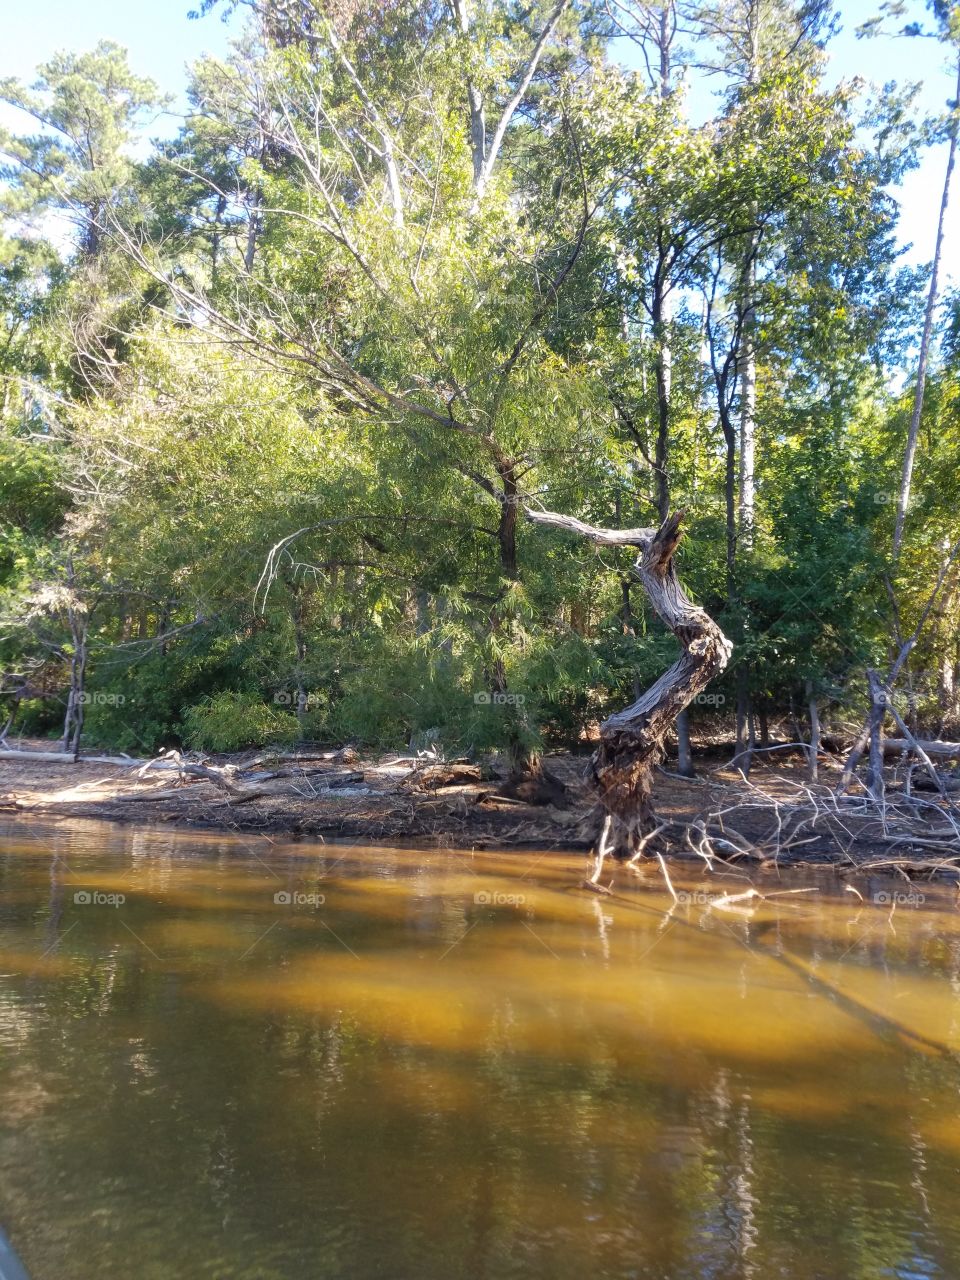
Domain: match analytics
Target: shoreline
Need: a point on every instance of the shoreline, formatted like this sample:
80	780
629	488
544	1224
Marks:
342	795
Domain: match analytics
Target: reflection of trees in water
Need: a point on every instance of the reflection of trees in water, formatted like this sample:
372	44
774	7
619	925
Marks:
610	1142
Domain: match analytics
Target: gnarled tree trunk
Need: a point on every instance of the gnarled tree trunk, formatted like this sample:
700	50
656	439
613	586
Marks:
632	740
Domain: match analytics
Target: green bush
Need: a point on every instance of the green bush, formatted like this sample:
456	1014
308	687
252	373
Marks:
231	721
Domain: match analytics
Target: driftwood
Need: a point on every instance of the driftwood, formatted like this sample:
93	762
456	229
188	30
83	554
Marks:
943	786
241	794
456	774
171	760
343	755
815	818
332	783
230	777
632	741
933	748
66	757
41	757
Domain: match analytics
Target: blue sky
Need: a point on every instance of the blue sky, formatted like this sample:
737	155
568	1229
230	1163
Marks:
162	40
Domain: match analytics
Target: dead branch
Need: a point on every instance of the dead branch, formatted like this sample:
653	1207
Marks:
632	741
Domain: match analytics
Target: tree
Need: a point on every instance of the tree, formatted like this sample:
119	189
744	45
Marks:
947	31
433	295
632	741
87	107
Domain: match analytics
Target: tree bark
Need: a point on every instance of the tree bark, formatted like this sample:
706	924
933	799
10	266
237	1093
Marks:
632	741
684	754
748	402
78	622
936	748
913	432
507	525
878	709
526	76
478	123
763	720
813	770
664	376
73	719
743	752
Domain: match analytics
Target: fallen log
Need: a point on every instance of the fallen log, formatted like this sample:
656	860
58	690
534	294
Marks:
65	757
332	784
947	787
943	750
39	757
446	775
343	755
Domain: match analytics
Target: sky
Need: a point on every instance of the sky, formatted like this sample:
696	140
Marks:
162	40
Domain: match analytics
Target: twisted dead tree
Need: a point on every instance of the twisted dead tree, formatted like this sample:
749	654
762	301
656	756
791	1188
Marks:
632	740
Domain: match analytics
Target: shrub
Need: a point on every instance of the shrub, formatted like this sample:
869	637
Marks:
231	721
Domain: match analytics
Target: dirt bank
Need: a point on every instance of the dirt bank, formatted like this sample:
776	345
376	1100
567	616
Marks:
774	820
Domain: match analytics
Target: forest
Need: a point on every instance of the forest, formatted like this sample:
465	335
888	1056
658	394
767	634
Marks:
304	408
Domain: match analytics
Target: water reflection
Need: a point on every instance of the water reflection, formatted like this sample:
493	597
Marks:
241	1059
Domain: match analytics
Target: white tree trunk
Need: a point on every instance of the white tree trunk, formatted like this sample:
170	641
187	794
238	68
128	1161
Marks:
910	452
748	405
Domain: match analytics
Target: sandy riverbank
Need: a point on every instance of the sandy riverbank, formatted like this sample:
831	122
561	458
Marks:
342	794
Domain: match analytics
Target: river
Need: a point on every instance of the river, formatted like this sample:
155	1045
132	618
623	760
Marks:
236	1059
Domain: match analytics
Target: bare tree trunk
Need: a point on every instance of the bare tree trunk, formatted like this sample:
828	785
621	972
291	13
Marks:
946	684
386	151
215	239
730	503
684	754
478	124
814	732
300	642
763	720
913	432
947	692
526	76
667	24
78	624
878	708
743	752
526	765
748	403
73	718
626	617
507	526
664	374
253	231
14	708
662	315
748	304
632	741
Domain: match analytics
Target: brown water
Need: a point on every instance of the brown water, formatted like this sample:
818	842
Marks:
407	1080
